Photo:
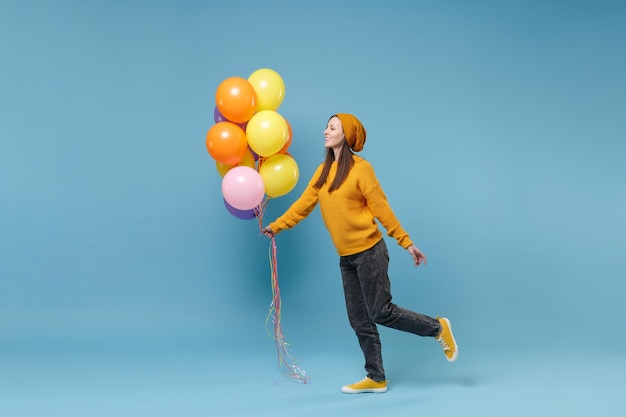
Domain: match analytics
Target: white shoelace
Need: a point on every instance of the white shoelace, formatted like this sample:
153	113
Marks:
443	343
361	381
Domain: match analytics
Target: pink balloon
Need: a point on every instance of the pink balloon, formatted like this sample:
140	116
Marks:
243	188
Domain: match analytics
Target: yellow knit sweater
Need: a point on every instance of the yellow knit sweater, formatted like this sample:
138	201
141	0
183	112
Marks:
349	212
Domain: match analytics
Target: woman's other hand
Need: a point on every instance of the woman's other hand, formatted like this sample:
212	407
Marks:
418	255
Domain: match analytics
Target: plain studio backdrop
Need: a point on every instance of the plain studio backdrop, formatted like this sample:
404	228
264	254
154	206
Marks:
496	128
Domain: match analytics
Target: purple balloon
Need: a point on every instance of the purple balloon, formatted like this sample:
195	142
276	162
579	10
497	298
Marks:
240	214
217	116
256	155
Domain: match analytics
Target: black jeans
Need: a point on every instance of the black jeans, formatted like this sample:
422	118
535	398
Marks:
367	291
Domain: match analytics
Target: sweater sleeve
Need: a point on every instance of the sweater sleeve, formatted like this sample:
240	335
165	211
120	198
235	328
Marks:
378	204
300	209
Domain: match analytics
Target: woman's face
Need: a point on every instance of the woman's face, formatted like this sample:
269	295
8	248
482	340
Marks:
334	134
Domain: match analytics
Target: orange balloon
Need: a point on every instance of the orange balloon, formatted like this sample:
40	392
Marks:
236	99
226	143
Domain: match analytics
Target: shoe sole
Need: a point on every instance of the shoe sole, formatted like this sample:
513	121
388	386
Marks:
456	347
347	390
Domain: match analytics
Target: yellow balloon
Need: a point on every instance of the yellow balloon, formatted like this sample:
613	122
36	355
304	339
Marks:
267	132
280	174
247	160
269	88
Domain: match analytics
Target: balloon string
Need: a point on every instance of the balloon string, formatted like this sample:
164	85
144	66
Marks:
286	358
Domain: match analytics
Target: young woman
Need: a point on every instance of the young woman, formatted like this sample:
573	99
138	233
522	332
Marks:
350	199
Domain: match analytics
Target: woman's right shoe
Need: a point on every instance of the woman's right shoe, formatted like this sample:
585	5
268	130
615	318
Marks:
365	385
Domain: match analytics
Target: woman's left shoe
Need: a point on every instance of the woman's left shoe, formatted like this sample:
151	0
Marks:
446	340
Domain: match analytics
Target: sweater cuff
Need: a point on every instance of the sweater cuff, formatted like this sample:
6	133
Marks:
405	242
275	229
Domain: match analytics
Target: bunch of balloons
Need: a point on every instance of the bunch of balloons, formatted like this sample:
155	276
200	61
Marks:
249	143
250	140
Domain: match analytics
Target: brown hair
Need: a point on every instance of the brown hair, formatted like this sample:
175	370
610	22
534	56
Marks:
344	164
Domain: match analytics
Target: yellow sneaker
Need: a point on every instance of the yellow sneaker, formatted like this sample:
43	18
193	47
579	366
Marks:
365	385
446	340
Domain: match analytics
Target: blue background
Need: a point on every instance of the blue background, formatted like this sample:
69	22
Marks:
496	129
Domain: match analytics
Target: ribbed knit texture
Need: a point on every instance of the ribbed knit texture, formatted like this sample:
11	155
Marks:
349	212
